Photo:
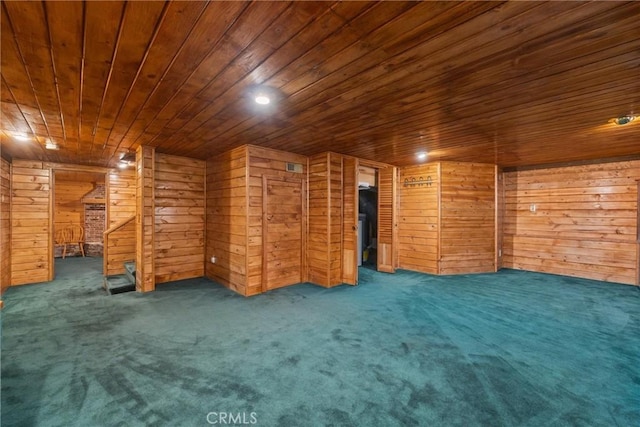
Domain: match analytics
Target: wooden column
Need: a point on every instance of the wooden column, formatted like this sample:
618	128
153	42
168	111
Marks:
5	225
145	219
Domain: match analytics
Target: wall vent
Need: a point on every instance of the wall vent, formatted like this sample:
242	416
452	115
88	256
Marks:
294	167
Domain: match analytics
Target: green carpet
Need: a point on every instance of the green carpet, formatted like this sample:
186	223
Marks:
507	349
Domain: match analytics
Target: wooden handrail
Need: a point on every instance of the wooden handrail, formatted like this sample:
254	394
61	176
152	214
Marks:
118	225
105	249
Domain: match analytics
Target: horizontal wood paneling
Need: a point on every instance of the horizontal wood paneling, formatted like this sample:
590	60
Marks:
30	223
418	218
226	220
180	182
324	237
121	205
264	162
584	224
318	220
5	225
467	218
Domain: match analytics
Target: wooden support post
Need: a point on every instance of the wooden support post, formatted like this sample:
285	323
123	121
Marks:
145	218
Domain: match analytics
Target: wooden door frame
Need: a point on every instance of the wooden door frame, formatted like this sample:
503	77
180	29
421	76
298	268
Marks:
63	167
352	226
303	226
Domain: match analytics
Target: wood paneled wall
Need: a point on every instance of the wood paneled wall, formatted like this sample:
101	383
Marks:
120	246
234	213
418	218
31	233
447	218
576	221
226	220
145	219
5	225
271	163
324	238
68	208
121	195
467	218
179	212
500	209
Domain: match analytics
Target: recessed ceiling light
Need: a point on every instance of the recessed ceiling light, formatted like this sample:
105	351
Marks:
623	120
422	155
21	137
262	99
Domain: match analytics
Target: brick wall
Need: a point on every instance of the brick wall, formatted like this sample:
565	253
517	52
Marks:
94	226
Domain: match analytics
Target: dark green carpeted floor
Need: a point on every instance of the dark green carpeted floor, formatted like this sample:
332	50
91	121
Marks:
510	349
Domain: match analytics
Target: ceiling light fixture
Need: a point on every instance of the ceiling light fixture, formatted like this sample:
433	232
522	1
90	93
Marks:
262	99
50	145
21	137
127	160
623	120
422	155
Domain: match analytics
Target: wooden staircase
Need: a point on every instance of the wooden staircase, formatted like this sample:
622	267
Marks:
120	283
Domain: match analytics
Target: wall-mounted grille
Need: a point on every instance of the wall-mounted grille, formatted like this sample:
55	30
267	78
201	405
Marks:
294	167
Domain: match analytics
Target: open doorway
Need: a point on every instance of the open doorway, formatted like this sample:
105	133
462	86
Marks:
79	214
369	229
367	217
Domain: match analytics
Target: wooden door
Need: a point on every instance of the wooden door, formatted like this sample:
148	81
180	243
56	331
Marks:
386	219
282	232
350	221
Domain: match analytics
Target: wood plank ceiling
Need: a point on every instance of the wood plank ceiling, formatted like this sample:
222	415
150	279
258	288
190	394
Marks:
515	83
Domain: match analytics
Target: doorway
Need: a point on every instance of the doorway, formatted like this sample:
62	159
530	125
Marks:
79	214
369	231
367	217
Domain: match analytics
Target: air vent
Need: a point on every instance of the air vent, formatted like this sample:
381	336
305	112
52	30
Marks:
294	167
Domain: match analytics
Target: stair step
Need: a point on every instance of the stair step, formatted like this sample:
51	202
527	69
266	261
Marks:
118	284
130	271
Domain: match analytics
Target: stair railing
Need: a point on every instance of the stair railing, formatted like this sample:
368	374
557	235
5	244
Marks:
119	245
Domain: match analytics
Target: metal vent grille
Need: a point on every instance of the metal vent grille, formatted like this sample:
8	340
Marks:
294	167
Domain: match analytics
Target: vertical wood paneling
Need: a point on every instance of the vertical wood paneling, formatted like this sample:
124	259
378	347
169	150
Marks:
467	233
272	163
226	220
179	210
145	219
30	222
5	225
283	231
418	218
120	246
576	221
